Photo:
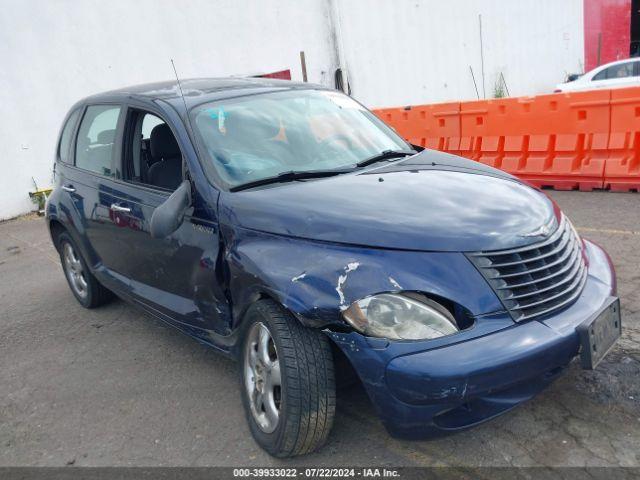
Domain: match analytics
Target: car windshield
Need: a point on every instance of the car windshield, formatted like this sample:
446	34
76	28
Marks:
254	137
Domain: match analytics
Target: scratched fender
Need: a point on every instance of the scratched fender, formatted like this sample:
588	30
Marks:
317	280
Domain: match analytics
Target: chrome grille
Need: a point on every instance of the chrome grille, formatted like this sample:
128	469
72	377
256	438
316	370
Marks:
537	279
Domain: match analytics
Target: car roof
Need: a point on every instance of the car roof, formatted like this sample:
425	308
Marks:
199	90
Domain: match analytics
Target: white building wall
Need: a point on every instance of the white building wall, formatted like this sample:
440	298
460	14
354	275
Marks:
54	52
397	52
400	52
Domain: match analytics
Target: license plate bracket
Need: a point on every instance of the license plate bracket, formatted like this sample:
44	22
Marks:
599	333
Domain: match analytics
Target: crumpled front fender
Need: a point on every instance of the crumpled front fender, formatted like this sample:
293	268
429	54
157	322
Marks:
317	280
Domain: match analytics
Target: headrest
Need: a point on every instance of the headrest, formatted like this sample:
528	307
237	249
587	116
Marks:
163	143
106	136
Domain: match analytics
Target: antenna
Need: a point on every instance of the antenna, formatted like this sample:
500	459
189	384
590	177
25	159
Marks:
181	93
186	112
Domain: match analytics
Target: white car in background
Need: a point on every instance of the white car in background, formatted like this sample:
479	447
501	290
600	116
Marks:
623	73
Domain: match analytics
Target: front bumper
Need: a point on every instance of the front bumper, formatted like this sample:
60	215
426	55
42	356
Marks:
426	388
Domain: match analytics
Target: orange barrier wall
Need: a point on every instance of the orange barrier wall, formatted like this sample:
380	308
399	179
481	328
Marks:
580	140
622	171
431	126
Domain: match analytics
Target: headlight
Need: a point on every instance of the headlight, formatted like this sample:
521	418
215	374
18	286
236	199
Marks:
400	317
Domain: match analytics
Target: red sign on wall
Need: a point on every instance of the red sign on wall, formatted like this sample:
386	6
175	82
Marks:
282	75
607	29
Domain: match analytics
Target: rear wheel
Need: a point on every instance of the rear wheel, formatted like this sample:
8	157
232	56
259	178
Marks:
84	286
288	386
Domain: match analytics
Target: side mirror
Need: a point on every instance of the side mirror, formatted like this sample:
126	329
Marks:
168	217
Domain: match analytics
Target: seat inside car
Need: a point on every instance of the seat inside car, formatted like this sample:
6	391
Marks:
106	137
166	172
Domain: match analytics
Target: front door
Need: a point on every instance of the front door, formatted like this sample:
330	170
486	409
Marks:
175	277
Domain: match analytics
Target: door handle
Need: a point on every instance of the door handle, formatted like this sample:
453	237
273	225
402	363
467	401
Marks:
68	189
117	208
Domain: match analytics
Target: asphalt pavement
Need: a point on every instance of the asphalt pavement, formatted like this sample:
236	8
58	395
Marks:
113	386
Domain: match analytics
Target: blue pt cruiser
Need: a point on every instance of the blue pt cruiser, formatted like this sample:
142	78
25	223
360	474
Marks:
285	225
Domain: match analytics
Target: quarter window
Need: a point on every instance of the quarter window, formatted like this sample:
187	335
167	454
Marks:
65	138
96	138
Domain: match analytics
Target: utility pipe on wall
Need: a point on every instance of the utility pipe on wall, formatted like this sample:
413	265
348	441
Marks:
339	42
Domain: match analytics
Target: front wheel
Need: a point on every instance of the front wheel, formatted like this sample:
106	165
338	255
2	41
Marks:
288	386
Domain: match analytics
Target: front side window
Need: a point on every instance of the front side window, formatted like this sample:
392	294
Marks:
600	76
260	136
152	156
96	138
623	70
67	134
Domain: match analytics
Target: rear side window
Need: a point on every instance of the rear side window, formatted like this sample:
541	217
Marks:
67	134
96	138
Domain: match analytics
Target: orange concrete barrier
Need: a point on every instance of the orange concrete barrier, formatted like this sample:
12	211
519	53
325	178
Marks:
622	171
554	140
579	140
432	126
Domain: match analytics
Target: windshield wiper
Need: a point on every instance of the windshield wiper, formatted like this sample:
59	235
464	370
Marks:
385	155
289	176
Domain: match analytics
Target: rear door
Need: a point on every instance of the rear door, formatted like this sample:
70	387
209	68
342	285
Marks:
87	181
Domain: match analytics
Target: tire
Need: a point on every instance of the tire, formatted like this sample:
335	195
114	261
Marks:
84	286
306	400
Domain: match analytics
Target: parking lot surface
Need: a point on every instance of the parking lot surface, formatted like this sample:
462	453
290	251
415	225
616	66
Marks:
113	386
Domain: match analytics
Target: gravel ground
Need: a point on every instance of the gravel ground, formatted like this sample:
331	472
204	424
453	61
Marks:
113	386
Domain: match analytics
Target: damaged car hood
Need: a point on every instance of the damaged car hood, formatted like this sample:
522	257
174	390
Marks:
429	202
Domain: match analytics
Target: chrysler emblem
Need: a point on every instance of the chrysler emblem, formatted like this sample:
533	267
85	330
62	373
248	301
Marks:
543	231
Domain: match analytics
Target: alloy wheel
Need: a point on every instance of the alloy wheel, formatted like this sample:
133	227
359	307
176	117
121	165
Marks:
262	377
75	272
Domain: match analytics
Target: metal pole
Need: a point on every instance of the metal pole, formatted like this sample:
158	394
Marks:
474	82
303	62
504	82
484	92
